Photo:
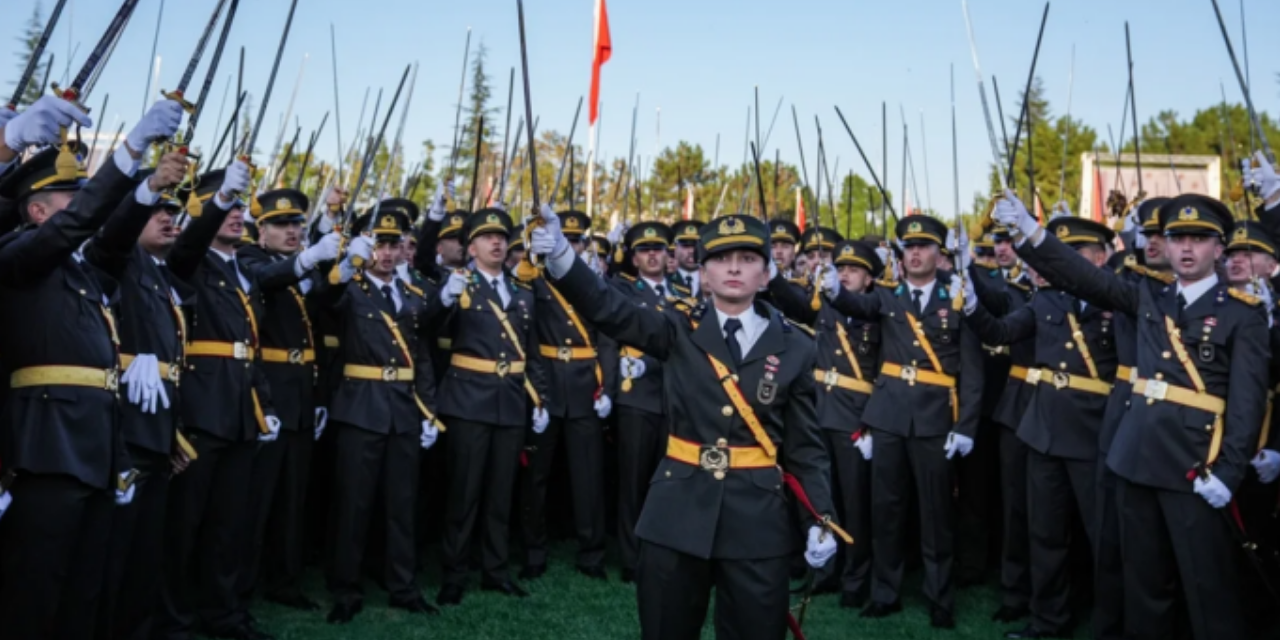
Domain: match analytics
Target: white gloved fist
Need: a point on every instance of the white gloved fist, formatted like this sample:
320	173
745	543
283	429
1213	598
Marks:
865	444
1267	464
540	419
955	289
430	432
326	249
160	122
273	430
322	419
617	232
820	547
146	388
1140	241
1213	491
453	287
970	297
1131	219
360	247
7	114
603	406
547	239
963	258
829	279
958	443
125	496
234	181
1263	176
437	211
6	499
1060	210
632	368
1011	213
42	123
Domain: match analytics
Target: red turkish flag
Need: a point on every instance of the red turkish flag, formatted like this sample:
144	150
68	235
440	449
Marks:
603	51
800	221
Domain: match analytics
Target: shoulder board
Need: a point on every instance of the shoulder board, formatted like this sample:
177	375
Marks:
415	290
1164	277
804	282
989	265
805	328
697	311
628	277
522	284
686	302
891	284
1246	298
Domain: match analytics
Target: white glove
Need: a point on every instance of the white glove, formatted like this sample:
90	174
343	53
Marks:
820	547
1060	210
453	288
160	122
1011	213
883	253
1267	464
125	496
42	122
273	430
958	443
617	232
829	279
1262	176
6	499
1140	241
236	180
145	385
970	297
603	406
437	210
429	433
1213	491
326	249
955	289
540	419
963	258
547	239
322	419
632	368
360	247
6	115
865	444
1131	219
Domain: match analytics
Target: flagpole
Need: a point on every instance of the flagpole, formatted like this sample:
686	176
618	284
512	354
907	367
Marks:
591	169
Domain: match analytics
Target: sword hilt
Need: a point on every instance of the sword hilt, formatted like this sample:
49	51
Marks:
177	97
70	94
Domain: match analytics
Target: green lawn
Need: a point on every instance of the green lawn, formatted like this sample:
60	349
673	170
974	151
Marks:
567	606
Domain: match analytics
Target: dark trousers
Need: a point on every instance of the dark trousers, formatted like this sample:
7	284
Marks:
1260	512
1015	562
584	449
895	463
1108	562
53	545
276	549
204	538
369	464
852	482
642	442
483	462
1176	542
674	589
1058	491
135	556
975	513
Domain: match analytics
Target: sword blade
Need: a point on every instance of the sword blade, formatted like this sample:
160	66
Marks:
33	62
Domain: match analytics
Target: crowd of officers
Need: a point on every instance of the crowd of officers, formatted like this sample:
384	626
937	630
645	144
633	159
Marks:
204	389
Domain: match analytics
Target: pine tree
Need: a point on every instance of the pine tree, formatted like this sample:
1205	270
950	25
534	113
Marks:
30	38
477	104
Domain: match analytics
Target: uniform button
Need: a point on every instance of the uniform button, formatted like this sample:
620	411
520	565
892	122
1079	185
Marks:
503	336
570	323
1159	376
1048	317
1070	345
246	365
568	341
890	314
1208	428
722	442
915	343
1062	365
1166	355
502	355
668	474
719	475
839	352
726	411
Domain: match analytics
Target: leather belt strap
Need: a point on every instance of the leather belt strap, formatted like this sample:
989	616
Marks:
168	371
832	378
1082	346
65	375
566	354
582	332
514	339
1175	337
913	375
848	353
729	383
498	367
1125	373
1160	391
1062	380
381	374
1018	372
918	329
215	349
288	356
718	458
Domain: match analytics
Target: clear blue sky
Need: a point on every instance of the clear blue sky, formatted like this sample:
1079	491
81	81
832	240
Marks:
698	60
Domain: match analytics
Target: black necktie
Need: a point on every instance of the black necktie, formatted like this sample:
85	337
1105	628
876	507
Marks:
1182	306
916	298
662	291
731	328
386	292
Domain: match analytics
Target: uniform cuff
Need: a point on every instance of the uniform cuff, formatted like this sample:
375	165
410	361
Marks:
559	266
125	162
144	195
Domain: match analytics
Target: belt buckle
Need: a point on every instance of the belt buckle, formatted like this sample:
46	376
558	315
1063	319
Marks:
501	368
831	378
565	354
1156	390
909	374
1061	380
1033	376
173	372
390	374
714	459
295	356
111	381
240	351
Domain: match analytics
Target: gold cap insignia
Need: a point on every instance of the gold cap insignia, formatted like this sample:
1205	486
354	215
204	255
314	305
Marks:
650	232
1188	213
818	237
572	223
283	203
915	227
492	219
1240	235
847	251
387	222
730	226
780	229
1063	231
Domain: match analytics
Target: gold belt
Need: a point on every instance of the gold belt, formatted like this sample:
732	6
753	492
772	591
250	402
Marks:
383	374
832	378
719	457
331	342
567	354
913	375
168	371
288	356
1161	391
1126	374
1018	372
215	349
499	367
1063	380
72	376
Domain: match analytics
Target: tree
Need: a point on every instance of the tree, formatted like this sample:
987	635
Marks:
30	37
477	106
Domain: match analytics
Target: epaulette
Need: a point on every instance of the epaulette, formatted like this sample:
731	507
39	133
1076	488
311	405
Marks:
1246	298
522	284
697	311
891	284
628	277
989	265
803	282
1161	276
415	290
805	328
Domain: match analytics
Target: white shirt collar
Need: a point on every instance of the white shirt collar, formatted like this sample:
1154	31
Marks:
655	283
379	281
927	289
1193	291
753	326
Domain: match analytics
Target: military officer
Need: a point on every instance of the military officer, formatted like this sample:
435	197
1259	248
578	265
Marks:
226	411
577	404
716	515
494	384
848	360
685	279
783	238
817	242
383	411
60	440
923	412
642	425
1201	363
1074	367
